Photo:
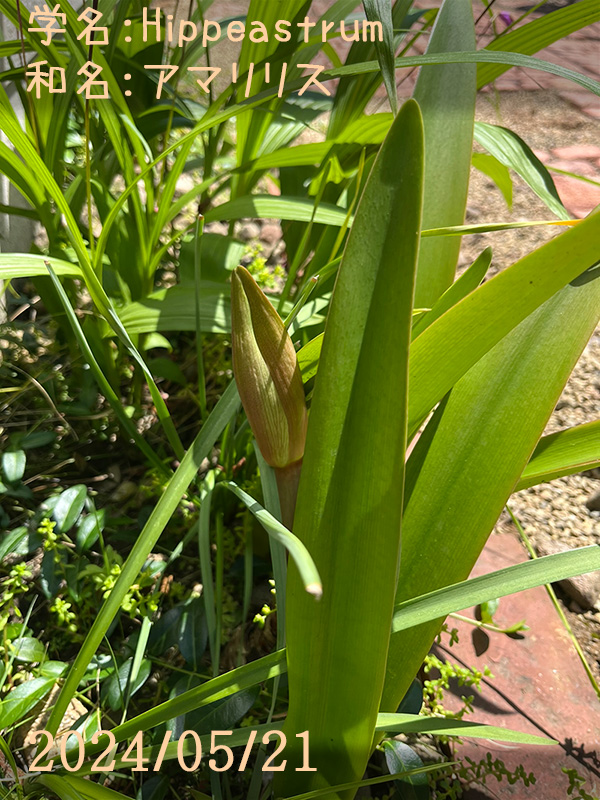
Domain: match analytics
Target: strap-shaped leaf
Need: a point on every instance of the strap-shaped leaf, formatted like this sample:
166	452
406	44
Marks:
435	726
563	453
459	338
446	95
538	34
349	502
509	580
381	11
513	152
280	534
474	449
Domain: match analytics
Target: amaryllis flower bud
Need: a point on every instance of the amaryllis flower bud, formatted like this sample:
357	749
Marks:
267	374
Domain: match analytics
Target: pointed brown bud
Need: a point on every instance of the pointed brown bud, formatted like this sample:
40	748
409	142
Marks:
266	371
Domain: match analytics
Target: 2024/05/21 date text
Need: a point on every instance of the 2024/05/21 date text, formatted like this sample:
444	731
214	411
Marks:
72	758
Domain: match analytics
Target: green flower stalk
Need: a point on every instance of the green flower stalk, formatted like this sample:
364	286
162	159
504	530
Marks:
270	385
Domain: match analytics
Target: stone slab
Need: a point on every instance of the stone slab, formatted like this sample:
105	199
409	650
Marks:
539	687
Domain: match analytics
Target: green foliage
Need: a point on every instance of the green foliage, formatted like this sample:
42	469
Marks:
576	788
476	773
149	600
434	687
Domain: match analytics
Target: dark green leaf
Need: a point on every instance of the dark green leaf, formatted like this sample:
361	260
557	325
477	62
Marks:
68	507
399	757
28	649
116	687
20	700
89	529
192	635
13	465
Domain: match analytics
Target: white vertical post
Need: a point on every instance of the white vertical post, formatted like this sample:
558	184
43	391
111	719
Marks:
16	233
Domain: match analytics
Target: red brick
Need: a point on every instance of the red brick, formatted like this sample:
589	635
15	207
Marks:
539	687
578	166
579	198
577	151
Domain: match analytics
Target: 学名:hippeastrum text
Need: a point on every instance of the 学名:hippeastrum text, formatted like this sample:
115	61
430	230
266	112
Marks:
178	32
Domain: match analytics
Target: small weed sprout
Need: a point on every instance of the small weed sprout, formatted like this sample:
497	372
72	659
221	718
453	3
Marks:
576	786
433	690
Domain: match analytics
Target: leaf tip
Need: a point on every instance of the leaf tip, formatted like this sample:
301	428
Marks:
315	589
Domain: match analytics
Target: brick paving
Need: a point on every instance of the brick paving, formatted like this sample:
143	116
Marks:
539	687
578	197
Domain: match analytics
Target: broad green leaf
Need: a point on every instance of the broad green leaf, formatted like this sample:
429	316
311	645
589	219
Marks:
399	757
513	152
475	448
473	592
366	130
11	541
192	633
20	700
352	474
298	156
538	34
435	726
13	465
308	357
497	171
174	309
35	439
459	338
563	453
64	788
447	99
161	514
120	684
298	552
288	208
10	48
26	648
89	529
224	714
20	176
89	790
68	507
